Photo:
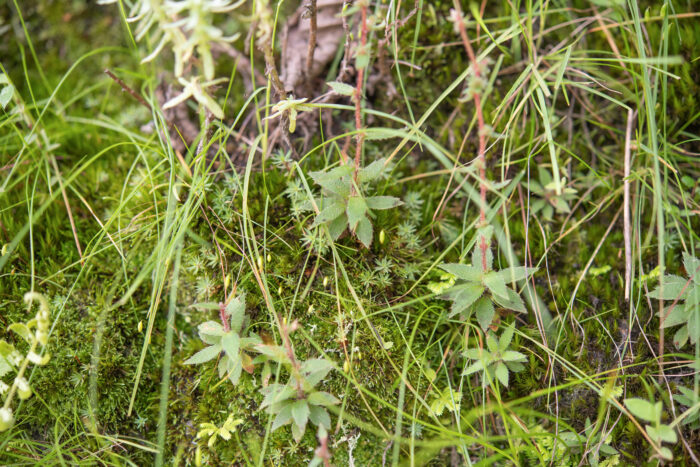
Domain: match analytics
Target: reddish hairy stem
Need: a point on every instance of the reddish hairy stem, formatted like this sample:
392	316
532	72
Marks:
223	316
459	21
358	90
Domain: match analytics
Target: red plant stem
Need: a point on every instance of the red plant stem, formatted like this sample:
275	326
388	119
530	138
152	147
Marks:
459	21
358	89
224	317
296	367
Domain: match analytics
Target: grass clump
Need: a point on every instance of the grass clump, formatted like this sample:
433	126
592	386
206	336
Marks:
324	233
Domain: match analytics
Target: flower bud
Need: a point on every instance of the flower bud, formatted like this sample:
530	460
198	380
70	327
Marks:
6	419
382	237
23	389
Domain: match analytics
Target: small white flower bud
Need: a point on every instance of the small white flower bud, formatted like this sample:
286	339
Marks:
6	419
23	389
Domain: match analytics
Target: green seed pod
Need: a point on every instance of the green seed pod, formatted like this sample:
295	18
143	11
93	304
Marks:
382	237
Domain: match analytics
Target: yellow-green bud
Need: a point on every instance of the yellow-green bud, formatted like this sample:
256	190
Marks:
382	237
23	389
6	419
325	281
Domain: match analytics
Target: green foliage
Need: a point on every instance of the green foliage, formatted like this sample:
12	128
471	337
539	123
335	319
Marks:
548	199
479	286
298	401
211	431
343	204
35	333
230	338
496	361
686	314
690	399
659	432
446	399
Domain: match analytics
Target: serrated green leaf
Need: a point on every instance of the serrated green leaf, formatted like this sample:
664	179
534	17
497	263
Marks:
673	286
319	416
365	232
283	417
513	302
300	413
341	88
484	311
513	356
23	331
372	171
204	355
502	374
236	312
518	273
477	256
211	328
496	284
464	296
337	226
330	212
462	271
230	342
383	202
641	408
692	267
677	315
6	95
506	338
356	210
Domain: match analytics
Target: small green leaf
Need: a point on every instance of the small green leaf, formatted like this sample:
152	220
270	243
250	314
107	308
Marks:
211	328
673	286
464	295
502	374
642	409
513	356
22	330
341	88
330	212
322	398
496	284
319	416
372	171
692	267
236	312
513	302
356	210
518	273
204	355
383	202
462	271
6	95
337	226
484	312
231	344
300	413
283	417
365	232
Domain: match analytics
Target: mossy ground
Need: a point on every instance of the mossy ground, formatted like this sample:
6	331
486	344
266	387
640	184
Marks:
79	412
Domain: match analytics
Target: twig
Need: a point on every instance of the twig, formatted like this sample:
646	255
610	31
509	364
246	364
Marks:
312	37
128	89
